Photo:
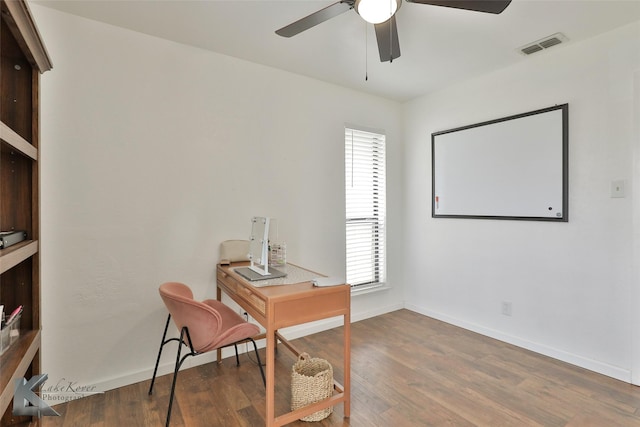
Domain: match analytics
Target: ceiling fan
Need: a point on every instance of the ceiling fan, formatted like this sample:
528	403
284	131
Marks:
381	13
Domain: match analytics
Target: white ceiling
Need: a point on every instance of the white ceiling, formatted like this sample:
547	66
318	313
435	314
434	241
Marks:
439	45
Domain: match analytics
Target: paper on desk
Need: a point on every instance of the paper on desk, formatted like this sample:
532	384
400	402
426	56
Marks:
328	281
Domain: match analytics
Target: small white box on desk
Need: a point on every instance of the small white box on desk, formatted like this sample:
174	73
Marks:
328	281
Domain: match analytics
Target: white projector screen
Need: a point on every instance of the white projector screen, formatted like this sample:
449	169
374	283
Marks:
511	168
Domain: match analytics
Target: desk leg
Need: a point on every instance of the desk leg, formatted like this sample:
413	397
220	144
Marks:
219	298
271	385
347	365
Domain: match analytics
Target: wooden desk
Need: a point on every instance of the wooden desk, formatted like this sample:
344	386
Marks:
280	306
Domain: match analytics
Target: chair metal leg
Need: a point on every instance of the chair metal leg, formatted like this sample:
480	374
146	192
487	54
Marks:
255	348
184	333
179	361
162	343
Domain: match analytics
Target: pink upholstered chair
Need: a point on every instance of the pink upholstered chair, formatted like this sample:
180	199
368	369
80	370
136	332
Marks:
204	326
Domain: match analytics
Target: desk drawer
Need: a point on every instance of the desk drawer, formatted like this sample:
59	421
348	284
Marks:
236	289
227	282
253	299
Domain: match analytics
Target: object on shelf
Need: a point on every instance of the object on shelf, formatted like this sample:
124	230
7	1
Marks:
10	332
8	238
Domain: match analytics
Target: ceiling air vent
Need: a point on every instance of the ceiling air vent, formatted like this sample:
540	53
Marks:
544	43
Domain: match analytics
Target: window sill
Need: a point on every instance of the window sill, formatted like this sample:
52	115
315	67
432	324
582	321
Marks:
361	290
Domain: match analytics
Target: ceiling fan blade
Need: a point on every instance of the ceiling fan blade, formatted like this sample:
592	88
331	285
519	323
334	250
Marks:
315	18
388	43
489	6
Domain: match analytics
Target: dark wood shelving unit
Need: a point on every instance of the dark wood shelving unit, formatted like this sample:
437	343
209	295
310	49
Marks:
23	58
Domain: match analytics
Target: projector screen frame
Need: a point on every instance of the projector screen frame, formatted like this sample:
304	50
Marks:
560	184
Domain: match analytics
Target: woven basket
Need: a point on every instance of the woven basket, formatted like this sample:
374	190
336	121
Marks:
311	381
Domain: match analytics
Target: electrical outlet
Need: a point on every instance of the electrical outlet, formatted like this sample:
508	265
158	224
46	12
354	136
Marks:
243	313
506	308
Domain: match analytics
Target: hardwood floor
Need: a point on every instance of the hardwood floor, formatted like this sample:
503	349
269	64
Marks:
407	370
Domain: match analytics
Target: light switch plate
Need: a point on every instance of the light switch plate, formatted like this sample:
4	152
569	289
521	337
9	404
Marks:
617	188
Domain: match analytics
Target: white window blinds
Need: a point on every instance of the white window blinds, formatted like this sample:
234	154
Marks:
365	207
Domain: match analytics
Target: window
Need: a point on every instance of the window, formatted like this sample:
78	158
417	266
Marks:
365	208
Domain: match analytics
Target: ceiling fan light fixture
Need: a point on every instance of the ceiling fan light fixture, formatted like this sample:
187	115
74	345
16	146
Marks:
377	11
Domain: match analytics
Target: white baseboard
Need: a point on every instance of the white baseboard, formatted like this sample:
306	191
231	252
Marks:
573	359
311	328
289	333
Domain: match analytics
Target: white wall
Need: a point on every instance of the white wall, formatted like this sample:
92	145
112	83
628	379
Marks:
573	286
635	191
152	154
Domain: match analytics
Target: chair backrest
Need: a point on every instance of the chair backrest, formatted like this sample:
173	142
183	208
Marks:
204	323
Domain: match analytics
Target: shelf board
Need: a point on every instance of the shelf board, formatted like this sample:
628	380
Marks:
15	362
17	253
17	142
